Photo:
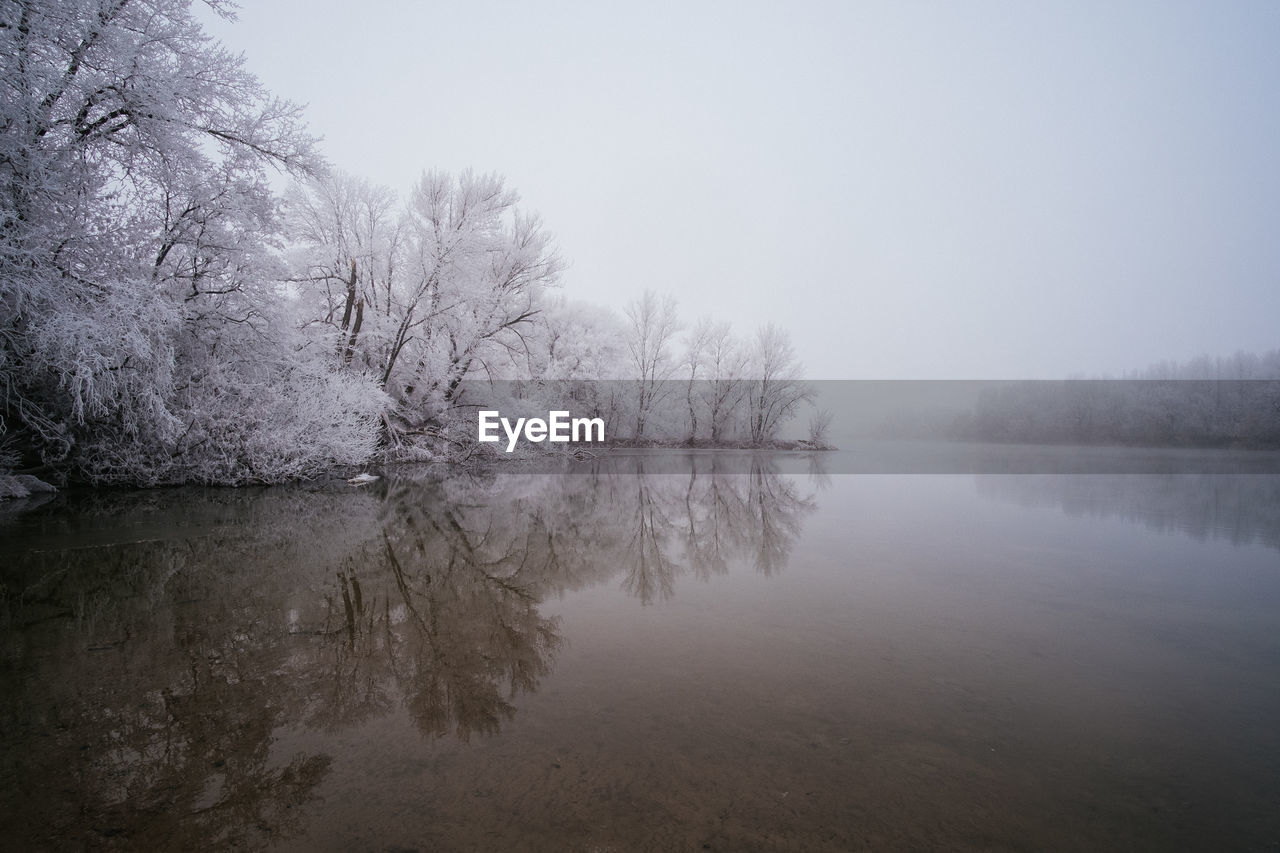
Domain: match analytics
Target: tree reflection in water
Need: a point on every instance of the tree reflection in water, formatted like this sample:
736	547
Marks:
1240	508
156	643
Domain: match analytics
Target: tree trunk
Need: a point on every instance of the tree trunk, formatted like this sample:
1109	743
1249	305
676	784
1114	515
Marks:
346	313
355	330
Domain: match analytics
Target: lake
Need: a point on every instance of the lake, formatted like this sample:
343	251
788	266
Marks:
658	651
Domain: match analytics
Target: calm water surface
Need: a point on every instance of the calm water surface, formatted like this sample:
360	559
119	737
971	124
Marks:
709	653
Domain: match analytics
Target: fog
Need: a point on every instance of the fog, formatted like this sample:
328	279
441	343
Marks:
196	288
941	191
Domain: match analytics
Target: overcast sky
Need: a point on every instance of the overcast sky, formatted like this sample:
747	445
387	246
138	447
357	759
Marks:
915	190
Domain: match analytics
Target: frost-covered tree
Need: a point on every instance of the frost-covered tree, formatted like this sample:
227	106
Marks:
423	294
350	249
573	347
820	427
776	388
726	365
479	267
696	346
652	323
579	341
137	254
717	367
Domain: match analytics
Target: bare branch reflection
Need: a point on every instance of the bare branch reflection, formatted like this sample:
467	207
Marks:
650	568
158	648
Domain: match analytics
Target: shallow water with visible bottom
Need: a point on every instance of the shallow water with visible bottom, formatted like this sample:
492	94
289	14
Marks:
717	656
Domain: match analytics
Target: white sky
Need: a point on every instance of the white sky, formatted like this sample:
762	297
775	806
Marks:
915	190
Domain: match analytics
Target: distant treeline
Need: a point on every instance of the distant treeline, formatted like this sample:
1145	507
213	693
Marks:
1231	402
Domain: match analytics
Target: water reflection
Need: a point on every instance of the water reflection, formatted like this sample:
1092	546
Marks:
153	645
703	521
1240	508
142	684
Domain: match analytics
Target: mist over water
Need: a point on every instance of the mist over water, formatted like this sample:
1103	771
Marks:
655	653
